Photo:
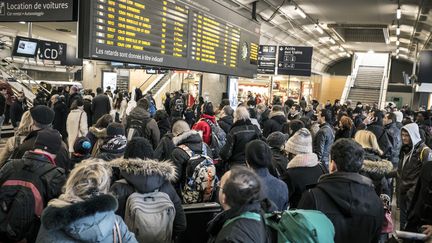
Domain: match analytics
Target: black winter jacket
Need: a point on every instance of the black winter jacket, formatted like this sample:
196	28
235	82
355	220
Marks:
382	138
322	143
164	126
279	162
17	110
60	117
376	169
241	133
240	230
151	131
226	123
146	176
100	106
345	133
348	200
165	147
275	123
394	134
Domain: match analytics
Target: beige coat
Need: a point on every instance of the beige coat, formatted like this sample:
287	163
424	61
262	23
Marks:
76	127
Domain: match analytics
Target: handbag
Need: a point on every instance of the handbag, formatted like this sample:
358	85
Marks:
388	225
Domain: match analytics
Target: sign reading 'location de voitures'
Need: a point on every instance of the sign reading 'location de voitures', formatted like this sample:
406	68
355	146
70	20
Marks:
38	10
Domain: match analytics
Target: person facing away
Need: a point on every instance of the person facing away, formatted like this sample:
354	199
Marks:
394	133
17	109
226	118
203	123
85	211
143	174
241	133
76	123
28	183
347	198
259	158
98	132
276	121
276	141
414	153
240	195
374	123
100	105
304	169
324	138
61	113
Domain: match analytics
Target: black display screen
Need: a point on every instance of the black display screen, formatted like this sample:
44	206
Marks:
177	34
25	47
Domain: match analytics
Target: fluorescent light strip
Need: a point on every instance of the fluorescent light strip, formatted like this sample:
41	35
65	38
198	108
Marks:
398	13
300	12
398	31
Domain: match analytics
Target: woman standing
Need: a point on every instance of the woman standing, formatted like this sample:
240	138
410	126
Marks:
346	128
76	123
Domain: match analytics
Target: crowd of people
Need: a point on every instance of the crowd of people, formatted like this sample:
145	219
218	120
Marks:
111	167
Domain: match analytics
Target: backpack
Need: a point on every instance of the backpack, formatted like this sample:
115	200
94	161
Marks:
306	226
218	138
152	109
136	128
201	177
21	202
179	105
150	216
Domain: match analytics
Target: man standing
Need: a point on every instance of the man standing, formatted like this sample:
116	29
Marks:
394	134
414	154
3	97
324	137
100	105
60	115
347	198
73	96
18	107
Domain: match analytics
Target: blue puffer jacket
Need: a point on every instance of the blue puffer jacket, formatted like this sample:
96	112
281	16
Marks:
90	221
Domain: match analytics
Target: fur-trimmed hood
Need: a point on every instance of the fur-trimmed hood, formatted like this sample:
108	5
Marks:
88	221
98	132
191	136
376	169
276	113
146	175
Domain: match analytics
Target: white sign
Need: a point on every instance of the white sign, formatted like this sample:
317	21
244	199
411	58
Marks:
109	79
233	92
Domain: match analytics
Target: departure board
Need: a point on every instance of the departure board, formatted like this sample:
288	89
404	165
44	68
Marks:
182	34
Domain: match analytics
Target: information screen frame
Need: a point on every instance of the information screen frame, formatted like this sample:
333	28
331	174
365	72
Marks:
19	40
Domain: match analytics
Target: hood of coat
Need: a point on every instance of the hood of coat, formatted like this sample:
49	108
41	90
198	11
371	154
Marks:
191	136
88	221
227	119
146	175
279	117
211	118
139	113
377	167
276	113
98	132
413	131
335	187
88	97
303	160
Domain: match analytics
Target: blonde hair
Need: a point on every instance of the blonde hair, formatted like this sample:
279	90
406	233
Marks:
241	113
88	179
367	140
25	125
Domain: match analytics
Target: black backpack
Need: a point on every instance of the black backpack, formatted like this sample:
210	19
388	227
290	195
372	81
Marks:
136	128
179	105
22	201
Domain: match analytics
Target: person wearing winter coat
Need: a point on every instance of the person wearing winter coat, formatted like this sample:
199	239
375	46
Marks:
345	129
87	100
374	123
163	122
258	157
165	147
142	174
394	134
17	109
61	113
226	118
100	105
203	123
240	194
324	138
414	153
374	166
76	123
98	133
74	95
347	198
114	145
85	211
276	121
241	133
140	113
38	167
185	137
304	169
263	113
24	129
82	150
276	141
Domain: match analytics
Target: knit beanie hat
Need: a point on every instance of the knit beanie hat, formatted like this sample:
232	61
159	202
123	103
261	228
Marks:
139	148
277	139
258	154
42	114
82	146
48	140
114	145
115	129
180	127
300	142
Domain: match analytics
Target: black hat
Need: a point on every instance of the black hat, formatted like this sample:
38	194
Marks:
48	140
115	129
258	154
42	114
277	139
82	146
139	147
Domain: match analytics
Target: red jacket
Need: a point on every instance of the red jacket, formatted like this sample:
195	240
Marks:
203	126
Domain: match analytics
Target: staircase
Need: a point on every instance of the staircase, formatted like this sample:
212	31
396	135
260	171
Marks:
367	85
155	89
20	81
